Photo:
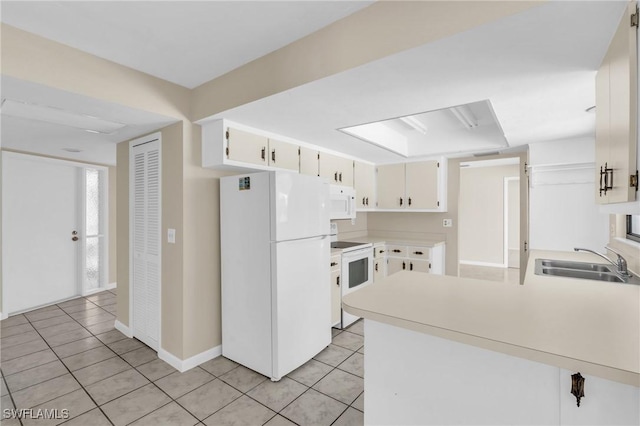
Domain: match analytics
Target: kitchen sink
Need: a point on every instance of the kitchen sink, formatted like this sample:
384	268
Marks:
582	270
586	275
582	266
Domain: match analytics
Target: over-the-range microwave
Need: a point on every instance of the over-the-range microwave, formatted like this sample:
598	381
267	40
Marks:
343	202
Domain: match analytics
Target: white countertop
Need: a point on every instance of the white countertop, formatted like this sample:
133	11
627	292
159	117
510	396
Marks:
383	240
582	325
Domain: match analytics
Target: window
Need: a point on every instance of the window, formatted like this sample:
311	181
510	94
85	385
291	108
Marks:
633	227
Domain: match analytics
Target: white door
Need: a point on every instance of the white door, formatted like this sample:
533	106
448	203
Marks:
39	216
145	204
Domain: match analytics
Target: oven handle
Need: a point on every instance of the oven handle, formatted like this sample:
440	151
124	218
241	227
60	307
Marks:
358	253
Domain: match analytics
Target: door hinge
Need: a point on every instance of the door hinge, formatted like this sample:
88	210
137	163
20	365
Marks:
525	246
633	181
227	151
226	134
298	151
438	203
526	171
318	158
634	18
438	164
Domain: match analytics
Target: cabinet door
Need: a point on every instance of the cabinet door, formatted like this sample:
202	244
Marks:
419	265
308	161
391	186
345	171
364	183
395	264
378	269
328	167
283	155
422	185
336	297
247	147
617	112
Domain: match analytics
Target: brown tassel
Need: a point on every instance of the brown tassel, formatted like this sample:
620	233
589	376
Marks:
577	386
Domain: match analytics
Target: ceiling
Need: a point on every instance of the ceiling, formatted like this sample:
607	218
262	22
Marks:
536	68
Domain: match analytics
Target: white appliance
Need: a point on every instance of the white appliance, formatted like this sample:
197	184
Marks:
275	249
356	269
343	202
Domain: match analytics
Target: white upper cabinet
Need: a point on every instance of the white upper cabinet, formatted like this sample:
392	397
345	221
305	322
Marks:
246	147
308	161
417	186
617	116
338	170
284	155
364	176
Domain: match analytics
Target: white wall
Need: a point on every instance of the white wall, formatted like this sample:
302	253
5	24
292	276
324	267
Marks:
563	213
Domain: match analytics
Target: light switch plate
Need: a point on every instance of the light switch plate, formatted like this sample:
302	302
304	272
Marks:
447	223
171	236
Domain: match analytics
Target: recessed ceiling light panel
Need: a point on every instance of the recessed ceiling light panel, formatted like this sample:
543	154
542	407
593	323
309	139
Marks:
54	115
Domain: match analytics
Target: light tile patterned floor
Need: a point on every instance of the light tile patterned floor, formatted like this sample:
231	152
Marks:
69	356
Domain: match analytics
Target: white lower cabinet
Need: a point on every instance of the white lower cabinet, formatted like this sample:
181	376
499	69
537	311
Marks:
414	258
379	264
456	383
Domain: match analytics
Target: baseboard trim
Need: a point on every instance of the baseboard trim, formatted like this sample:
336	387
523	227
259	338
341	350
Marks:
124	329
3	316
492	265
189	363
111	286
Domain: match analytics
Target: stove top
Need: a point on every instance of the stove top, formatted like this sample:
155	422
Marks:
345	244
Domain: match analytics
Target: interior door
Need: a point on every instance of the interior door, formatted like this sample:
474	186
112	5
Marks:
524	215
39	217
146	243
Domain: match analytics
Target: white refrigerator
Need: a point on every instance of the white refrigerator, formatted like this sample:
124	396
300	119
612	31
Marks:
275	249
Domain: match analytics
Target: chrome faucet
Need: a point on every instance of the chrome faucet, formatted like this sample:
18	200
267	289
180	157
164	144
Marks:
620	263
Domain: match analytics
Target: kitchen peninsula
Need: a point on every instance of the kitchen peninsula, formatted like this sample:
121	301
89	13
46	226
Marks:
448	350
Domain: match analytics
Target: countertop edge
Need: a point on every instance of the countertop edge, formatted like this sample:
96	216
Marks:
602	371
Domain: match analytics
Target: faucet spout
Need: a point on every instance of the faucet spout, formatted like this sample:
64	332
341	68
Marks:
620	263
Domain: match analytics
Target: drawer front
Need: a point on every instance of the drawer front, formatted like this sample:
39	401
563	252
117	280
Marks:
396	251
419	253
379	251
335	263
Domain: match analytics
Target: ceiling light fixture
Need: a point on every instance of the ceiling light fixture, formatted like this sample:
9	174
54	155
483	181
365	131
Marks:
55	115
464	115
414	123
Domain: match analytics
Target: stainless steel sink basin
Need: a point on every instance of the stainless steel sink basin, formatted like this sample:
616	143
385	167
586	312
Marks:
582	270
582	266
586	275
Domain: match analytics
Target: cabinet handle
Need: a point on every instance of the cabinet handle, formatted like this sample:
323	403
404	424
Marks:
340	176
400	200
418	252
411	266
396	251
409	200
335	176
264	153
404	265
273	156
367	200
429	265
606	179
364	202
338	280
376	266
334	263
381	251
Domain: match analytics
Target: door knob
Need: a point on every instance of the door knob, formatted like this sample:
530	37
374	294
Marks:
74	239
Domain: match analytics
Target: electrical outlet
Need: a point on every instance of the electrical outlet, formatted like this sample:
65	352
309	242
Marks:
171	236
447	223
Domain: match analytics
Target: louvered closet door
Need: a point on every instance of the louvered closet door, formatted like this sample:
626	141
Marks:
146	192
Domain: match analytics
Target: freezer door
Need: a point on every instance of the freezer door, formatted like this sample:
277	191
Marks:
300	206
301	302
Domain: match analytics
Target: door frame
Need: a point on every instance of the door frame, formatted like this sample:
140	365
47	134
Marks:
136	142
81	197
505	221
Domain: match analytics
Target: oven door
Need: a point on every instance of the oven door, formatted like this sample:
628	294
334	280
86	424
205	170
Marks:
357	272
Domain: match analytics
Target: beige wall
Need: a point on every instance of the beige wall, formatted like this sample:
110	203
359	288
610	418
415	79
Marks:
481	213
347	230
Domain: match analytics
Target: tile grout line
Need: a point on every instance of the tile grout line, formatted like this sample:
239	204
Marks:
74	378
